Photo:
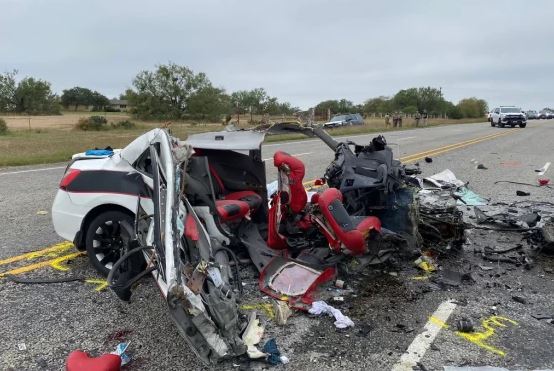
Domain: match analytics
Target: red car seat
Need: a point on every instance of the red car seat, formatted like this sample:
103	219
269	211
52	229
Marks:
341	229
253	199
290	198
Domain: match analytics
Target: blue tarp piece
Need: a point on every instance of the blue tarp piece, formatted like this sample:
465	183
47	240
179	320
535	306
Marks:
99	152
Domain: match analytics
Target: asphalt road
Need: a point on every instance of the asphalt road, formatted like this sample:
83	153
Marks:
51	320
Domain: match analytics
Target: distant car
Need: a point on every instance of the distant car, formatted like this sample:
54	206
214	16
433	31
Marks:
546	114
508	115
344	120
532	115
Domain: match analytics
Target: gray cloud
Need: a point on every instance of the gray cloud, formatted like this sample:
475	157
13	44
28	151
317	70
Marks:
301	51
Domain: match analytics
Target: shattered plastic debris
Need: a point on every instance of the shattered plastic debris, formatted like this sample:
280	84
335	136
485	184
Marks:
252	336
445	178
425	263
321	307
21	346
285	279
120	351
282	312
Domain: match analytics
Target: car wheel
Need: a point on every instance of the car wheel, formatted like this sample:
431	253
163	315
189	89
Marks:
522	125
513	125
500	124
106	238
492	122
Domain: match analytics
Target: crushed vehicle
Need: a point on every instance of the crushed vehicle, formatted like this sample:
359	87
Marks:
189	212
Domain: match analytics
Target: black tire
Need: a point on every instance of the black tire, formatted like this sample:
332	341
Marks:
492	122
522	125
106	237
500	124
512	125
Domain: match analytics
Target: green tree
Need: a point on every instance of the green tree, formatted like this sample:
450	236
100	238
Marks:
377	105
79	96
34	96
165	92
472	107
8	86
209	103
335	106
405	98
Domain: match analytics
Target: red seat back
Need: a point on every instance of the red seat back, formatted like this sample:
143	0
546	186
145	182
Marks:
291	174
345	231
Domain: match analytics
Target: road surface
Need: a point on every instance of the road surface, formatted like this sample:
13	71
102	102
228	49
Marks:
41	324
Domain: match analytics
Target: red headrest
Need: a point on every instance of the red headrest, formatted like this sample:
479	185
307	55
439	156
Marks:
298	196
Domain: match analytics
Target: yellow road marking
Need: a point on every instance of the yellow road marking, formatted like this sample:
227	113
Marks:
50	251
451	147
46	263
479	337
100	284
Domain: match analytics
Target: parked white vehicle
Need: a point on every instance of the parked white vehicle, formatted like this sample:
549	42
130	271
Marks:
508	115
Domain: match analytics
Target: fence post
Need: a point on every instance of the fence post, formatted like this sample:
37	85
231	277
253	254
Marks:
29	123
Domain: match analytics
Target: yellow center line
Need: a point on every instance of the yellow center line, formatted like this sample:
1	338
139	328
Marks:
451	147
54	249
46	263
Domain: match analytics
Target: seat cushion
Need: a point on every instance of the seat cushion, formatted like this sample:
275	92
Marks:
253	199
232	210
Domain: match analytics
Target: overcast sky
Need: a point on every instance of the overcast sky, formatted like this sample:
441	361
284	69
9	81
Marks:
300	51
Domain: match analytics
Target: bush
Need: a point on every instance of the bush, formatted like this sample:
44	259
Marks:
3	127
123	124
92	123
111	109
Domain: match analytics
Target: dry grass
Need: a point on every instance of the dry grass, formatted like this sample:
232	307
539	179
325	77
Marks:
53	139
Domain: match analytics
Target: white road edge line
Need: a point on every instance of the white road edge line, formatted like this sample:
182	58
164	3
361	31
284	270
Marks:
338	138
423	341
33	170
293	155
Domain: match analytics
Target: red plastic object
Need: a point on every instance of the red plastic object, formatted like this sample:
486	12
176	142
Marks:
81	361
69	177
544	181
191	229
298	196
320	181
288	280
274	239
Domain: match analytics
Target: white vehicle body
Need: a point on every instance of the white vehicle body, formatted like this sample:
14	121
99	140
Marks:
508	115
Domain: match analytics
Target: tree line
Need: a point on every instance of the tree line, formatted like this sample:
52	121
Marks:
410	101
172	91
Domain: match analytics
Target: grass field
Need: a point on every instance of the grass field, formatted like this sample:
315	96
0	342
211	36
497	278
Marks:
53	139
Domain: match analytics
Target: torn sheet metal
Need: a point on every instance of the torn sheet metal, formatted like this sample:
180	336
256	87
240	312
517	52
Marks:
288	280
227	140
445	179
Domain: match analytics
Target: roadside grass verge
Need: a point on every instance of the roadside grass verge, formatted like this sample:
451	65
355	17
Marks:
50	145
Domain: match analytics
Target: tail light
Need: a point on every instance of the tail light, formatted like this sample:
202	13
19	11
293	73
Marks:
69	177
